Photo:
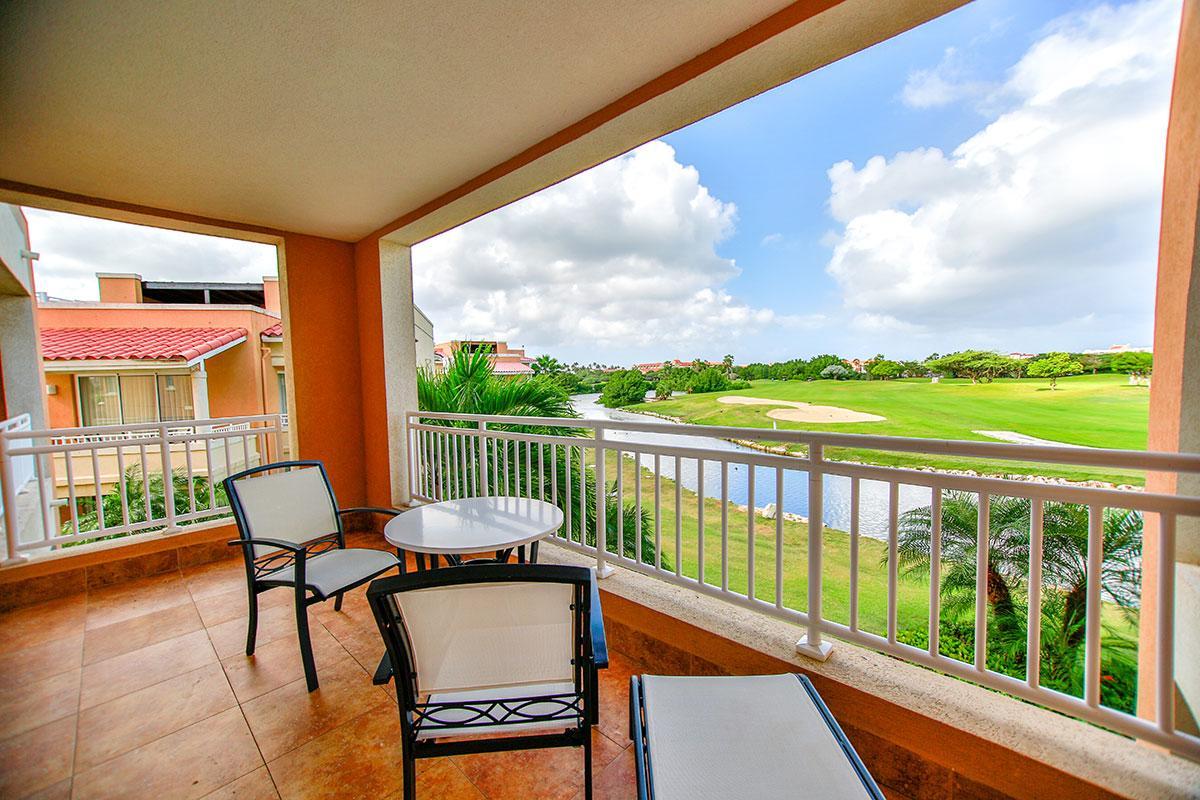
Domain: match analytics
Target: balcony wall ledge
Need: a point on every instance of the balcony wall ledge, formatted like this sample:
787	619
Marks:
923	734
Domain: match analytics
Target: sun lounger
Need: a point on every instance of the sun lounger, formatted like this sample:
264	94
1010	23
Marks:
761	736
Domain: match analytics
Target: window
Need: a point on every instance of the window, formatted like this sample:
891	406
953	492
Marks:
136	398
282	392
99	400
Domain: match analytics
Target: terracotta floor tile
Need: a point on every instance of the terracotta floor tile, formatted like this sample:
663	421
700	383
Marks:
276	622
130	599
23	708
186	764
215	578
255	786
277	663
138	632
128	722
59	791
128	672
550	773
360	758
18	667
617	781
44	622
37	760
232	604
365	646
284	719
441	779
614	698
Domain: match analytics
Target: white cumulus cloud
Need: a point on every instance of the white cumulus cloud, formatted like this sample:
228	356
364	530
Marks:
1049	211
621	256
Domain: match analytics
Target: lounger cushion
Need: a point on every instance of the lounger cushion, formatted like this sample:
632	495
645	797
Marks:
335	570
757	736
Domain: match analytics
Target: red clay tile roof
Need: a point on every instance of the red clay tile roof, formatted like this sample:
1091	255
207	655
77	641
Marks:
151	344
273	332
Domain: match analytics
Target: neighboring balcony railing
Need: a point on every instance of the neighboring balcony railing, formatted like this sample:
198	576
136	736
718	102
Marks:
660	489
71	485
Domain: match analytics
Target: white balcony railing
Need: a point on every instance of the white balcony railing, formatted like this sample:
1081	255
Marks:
752	562
72	485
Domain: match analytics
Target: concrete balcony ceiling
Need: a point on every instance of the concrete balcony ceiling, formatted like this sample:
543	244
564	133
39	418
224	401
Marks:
340	120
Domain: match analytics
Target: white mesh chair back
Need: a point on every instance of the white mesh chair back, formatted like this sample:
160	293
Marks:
490	635
292	505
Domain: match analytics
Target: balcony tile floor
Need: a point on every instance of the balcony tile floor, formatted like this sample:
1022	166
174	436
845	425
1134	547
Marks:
142	689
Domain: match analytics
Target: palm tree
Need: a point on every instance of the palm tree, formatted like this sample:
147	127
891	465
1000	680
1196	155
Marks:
1064	578
546	365
469	386
137	501
727	362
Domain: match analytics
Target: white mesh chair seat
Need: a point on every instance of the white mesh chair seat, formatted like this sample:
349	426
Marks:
759	736
336	569
564	717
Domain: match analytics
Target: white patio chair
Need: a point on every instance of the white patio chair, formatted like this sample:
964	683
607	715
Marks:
492	657
291	536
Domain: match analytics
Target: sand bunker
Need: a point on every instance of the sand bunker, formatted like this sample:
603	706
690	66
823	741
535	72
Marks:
1021	438
802	412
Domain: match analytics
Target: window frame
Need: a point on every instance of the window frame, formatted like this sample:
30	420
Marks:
156	374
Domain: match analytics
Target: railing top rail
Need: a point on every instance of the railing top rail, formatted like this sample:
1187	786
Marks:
21	422
140	426
1048	454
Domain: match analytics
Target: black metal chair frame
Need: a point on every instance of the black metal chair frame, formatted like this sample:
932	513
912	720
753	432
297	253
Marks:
260	568
591	654
641	746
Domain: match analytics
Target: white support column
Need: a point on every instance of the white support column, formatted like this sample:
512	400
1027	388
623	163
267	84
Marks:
200	392
399	357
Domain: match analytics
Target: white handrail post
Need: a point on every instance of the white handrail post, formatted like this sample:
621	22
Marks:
810	644
483	458
9	493
603	570
168	476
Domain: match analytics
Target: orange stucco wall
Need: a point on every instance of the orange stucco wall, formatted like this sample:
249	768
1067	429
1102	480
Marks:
240	380
323	331
372	369
120	289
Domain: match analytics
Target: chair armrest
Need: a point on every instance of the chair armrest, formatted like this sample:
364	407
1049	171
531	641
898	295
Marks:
291	547
391	512
599	642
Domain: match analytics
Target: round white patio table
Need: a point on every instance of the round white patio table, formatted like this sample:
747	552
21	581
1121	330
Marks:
453	528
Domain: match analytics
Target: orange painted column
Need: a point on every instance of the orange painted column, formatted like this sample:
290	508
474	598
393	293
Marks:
1175	390
322	330
373	369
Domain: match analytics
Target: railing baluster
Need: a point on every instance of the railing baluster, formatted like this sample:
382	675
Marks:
657	512
507	484
935	572
779	537
620	506
811	643
98	486
567	488
678	516
982	534
541	471
893	558
554	474
1164	668
191	479
481	466
602	568
700	517
1033	639
582	494
637	505
750	593
855	497
213	482
70	457
123	488
724	526
145	480
1095	558
528	470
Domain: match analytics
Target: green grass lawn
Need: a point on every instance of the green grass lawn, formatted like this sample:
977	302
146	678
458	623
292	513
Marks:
912	609
1089	410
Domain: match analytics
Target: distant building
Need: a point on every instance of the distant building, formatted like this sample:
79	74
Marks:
655	366
859	364
1118	348
1022	356
505	360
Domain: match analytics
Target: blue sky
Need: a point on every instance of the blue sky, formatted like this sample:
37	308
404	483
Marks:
997	185
991	179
